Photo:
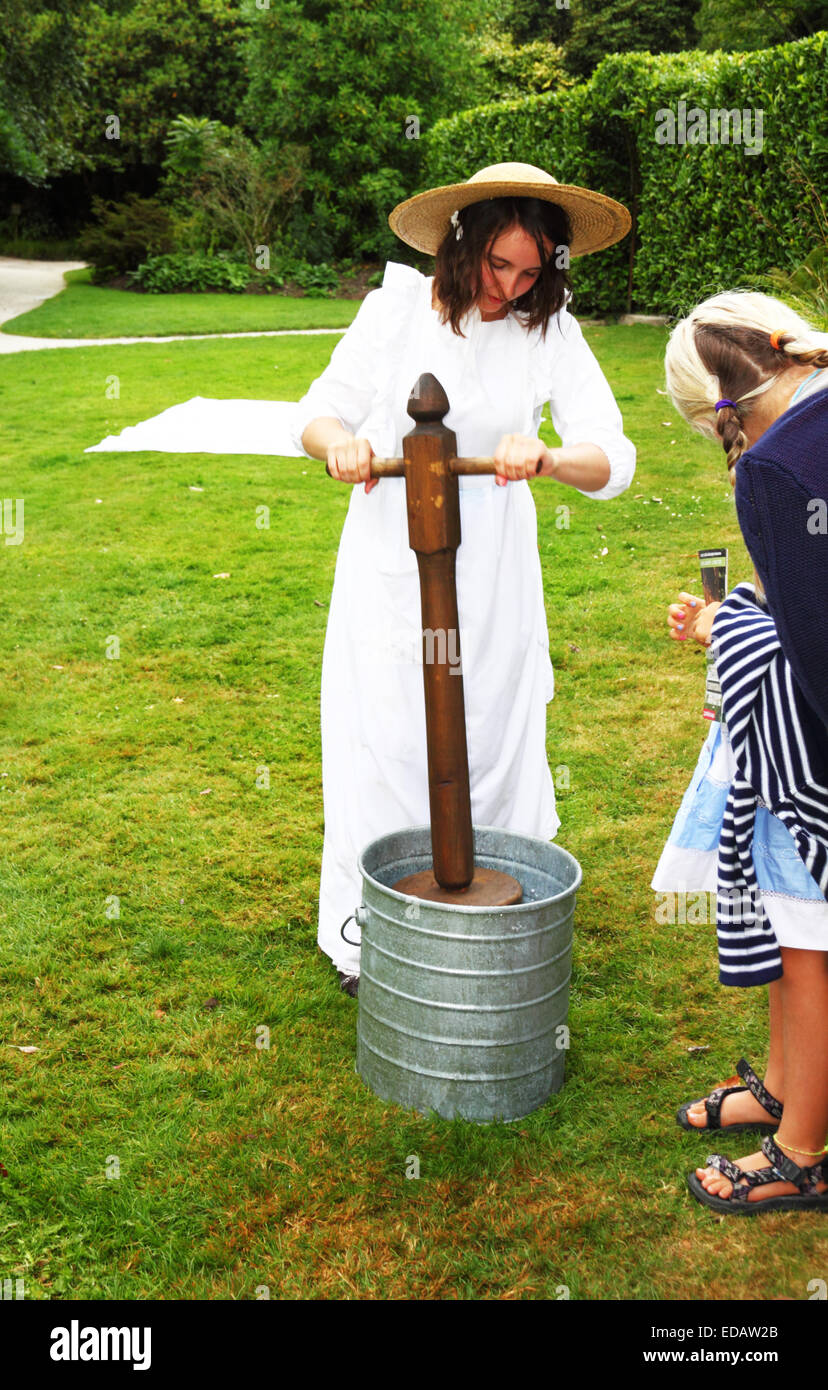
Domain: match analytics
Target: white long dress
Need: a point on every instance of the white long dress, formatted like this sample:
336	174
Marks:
374	769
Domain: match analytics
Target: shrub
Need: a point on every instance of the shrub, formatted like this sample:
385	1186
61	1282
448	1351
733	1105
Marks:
719	216
226	191
196	271
509	71
188	141
125	235
319	281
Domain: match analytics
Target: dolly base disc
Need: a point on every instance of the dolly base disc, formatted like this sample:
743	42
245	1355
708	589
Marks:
488	888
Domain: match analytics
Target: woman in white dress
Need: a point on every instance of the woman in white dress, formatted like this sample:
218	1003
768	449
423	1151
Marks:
493	327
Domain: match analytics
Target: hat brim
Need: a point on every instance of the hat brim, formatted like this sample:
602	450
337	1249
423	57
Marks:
596	220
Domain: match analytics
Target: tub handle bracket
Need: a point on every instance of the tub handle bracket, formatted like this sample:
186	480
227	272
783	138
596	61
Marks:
358	917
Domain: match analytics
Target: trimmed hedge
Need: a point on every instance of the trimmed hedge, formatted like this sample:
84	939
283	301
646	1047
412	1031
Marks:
706	216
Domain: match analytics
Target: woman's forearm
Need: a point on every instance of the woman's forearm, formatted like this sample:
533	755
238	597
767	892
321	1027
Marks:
321	433
584	466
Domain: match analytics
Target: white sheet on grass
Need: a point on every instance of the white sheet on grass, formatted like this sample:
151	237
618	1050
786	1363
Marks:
202	426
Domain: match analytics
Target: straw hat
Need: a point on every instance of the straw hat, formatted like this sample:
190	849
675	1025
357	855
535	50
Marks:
596	221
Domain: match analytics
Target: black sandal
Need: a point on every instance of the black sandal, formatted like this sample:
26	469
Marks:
713	1105
783	1169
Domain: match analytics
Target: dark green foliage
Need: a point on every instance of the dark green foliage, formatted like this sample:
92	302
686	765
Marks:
199	271
708	216
715	216
227	194
241	193
598	29
742	24
530	20
188	142
589	30
125	234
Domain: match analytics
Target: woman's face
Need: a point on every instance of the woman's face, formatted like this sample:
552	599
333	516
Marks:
509	271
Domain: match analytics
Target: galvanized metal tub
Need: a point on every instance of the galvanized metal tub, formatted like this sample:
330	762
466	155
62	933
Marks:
463	1010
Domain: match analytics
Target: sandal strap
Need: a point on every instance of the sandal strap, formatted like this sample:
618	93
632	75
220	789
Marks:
726	1166
754	1085
713	1103
782	1169
805	1179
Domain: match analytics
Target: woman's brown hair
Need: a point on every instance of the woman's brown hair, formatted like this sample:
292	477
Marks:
457	277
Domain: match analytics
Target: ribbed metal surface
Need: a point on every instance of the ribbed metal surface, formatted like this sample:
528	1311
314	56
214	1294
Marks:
460	1008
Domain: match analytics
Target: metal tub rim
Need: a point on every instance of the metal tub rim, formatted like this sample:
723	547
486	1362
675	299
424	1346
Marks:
513	909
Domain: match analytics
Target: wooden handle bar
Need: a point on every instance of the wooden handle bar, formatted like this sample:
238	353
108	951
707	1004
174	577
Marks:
395	468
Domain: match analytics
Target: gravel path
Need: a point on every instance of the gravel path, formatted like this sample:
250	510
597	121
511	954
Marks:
25	284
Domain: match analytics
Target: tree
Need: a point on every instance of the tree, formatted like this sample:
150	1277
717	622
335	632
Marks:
508	72
354	82
537	21
738	25
656	26
41	86
149	63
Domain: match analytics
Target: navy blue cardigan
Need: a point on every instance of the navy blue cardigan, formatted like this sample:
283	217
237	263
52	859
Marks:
782	504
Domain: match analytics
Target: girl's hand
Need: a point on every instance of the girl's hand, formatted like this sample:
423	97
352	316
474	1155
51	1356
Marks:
517	456
349	461
692	617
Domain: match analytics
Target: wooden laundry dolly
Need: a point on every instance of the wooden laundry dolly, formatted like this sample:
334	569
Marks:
431	468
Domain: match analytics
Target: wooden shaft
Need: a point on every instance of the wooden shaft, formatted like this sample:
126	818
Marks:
452	839
434	534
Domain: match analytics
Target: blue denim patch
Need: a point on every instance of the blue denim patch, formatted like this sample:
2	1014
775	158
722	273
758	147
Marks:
779	868
698	824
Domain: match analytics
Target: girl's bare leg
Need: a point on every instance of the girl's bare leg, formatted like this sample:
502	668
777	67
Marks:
804	1016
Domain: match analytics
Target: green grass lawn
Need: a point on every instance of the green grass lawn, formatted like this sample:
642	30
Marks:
152	1150
84	310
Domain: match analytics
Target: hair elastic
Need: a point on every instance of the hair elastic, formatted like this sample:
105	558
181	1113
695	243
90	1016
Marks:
774	338
720	405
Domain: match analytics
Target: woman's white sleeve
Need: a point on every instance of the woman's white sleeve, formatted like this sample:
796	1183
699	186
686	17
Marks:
346	388
583	408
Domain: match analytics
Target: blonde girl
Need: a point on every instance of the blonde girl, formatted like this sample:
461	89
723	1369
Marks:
750	374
